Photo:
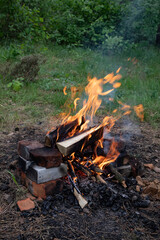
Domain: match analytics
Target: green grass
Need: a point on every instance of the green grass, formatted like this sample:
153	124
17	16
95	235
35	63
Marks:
39	100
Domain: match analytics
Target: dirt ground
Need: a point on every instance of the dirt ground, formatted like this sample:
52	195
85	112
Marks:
63	218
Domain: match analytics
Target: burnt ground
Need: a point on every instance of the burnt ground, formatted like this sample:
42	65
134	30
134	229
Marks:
109	216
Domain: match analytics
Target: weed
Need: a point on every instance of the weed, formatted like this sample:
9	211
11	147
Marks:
16	84
14	179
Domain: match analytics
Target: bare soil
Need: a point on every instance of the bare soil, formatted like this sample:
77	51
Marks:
60	217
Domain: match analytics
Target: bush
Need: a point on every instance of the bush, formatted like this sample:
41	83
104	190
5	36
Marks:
80	22
141	19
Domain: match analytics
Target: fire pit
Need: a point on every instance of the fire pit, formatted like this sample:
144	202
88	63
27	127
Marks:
78	148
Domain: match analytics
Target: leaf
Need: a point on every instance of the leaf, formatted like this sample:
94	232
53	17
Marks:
9	85
14	179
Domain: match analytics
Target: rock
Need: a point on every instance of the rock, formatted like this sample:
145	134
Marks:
142	204
152	167
39	200
8	198
156	169
138	189
13	164
134	198
149	165
140	181
151	189
26	204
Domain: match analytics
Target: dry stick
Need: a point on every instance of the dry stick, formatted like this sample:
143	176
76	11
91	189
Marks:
82	202
82	168
95	168
118	176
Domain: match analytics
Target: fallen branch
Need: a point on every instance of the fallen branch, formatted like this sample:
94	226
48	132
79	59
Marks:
118	176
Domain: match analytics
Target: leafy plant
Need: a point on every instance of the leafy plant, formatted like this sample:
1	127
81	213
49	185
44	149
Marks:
16	84
115	44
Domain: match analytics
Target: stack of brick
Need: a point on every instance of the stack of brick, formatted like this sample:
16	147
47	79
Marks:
40	168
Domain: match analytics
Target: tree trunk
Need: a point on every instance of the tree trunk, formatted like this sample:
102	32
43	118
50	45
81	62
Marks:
158	36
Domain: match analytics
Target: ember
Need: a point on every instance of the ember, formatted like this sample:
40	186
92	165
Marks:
79	145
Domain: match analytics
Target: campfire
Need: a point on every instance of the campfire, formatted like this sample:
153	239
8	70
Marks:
78	148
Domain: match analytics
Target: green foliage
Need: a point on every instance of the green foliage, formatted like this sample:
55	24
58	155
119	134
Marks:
11	52
114	44
141	20
18	21
16	84
83	22
70	22
80	22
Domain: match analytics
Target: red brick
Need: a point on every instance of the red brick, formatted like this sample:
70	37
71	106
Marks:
25	146
46	157
25	204
41	190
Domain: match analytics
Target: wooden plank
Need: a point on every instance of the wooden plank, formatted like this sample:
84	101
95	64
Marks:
75	143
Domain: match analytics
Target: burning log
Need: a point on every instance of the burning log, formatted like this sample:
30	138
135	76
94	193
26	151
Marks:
62	131
80	141
73	179
95	168
82	168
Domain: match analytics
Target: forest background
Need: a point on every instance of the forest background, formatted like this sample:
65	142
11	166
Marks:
47	45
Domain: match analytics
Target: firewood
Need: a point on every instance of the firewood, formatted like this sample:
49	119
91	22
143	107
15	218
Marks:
100	179
82	168
73	180
95	168
62	132
82	140
82	202
118	176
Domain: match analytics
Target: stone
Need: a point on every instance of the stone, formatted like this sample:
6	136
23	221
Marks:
151	189
28	195
156	169
138	189
140	181
149	165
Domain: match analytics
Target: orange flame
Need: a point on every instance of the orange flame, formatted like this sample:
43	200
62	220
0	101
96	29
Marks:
112	155
94	91
75	103
64	90
139	111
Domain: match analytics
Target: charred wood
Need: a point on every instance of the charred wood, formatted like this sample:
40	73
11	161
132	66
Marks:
62	132
118	175
82	168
